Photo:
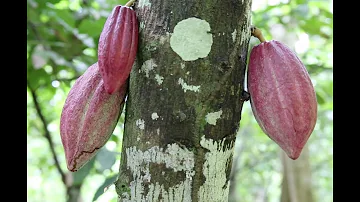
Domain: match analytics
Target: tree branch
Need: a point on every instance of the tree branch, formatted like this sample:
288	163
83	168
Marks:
47	133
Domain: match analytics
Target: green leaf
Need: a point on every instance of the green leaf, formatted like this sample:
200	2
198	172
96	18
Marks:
37	77
123	2
92	28
302	10
312	26
64	16
33	16
81	174
114	138
41	4
51	1
320	98
106	159
108	181
301	2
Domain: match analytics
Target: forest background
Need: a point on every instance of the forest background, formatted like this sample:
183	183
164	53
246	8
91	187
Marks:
62	38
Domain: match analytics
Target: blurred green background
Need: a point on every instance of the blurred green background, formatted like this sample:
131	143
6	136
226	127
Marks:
62	43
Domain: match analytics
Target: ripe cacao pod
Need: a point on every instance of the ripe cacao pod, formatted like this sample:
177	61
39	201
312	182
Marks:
117	47
89	117
282	96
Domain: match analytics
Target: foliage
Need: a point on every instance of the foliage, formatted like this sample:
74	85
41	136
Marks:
62	43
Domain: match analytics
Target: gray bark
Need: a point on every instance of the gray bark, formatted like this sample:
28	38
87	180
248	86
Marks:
74	194
185	100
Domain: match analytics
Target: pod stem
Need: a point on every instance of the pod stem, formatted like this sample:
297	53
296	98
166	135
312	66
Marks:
256	32
130	3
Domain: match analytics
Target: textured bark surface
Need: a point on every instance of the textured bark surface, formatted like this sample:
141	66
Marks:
185	100
73	194
296	184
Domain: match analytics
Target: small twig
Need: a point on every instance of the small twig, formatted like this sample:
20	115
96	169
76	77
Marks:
47	133
256	32
130	3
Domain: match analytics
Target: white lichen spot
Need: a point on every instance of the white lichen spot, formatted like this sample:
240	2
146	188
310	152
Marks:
187	73
174	158
137	139
159	79
191	39
158	131
140	123
212	117
142	25
144	3
216	186
245	32
125	196
147	66
154	116
182	65
164	38
234	35
186	87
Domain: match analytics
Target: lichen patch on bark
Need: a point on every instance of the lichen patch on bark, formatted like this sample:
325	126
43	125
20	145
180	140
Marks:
142	25
212	117
147	66
154	116
182	65
164	38
187	87
159	79
144	3
174	158
245	32
234	35
216	185
140	123
191	39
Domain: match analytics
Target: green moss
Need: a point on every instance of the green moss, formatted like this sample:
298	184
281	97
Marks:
123	188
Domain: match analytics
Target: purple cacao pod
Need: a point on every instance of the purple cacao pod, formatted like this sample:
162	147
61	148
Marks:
282	96
117	47
89	117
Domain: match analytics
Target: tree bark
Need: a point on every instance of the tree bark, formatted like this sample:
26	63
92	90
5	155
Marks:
296	184
185	100
74	194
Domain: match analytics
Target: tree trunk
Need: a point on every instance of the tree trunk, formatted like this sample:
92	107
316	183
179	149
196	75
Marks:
74	194
296	184
185	100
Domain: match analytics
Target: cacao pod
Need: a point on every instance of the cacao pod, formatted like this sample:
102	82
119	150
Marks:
282	96
89	117
117	47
